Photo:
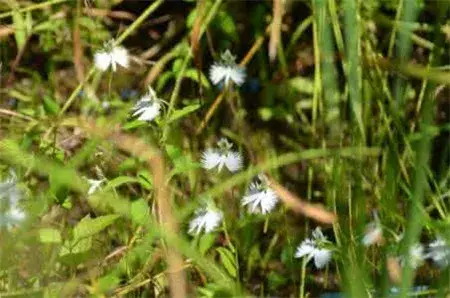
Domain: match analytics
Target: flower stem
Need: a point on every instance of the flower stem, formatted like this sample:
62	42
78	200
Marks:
302	278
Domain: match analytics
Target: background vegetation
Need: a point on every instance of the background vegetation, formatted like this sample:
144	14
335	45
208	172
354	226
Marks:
346	104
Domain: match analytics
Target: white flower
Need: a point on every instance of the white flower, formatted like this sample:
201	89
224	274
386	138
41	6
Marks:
227	70
260	198
439	252
373	234
15	214
313	249
111	56
223	156
9	189
416	256
148	107
205	219
94	185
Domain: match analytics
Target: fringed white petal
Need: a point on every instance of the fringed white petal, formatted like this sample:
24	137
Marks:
120	56
305	248
206	220
210	159
102	60
321	257
233	161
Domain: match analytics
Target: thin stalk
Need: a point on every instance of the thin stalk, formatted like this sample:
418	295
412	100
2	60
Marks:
174	96
151	8
31	7
301	293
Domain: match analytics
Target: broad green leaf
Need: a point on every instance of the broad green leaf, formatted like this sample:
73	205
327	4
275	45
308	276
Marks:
118	181
163	79
91	226
206	241
83	232
108	282
139	212
50	105
182	163
145	179
49	235
177	64
227	24
20	29
109	202
134	124
228	261
177	114
81	246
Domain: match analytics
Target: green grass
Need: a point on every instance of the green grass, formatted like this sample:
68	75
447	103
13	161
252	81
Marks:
350	120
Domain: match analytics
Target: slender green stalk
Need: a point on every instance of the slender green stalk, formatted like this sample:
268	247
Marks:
298	33
353	58
212	13
31	8
175	94
75	93
285	159
151	8
404	47
301	293
329	83
317	75
421	163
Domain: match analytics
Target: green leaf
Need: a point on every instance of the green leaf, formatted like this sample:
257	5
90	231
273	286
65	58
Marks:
177	64
20	32
83	232
91	226
197	76
50	105
133	124
49	235
177	114
163	79
118	181
182	163
228	261
139	212
145	179
206	241
227	24
301	84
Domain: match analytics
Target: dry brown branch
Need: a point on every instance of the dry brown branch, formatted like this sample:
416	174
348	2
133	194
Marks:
97	12
153	156
5	31
314	211
394	270
275	32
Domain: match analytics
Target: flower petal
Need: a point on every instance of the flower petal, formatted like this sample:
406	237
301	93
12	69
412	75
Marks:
120	56
102	60
210	159
305	248
321	257
233	161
